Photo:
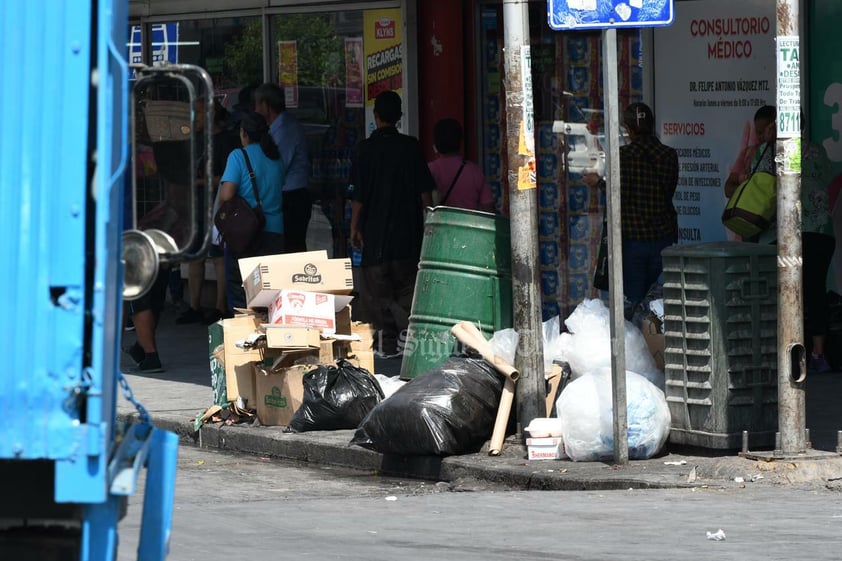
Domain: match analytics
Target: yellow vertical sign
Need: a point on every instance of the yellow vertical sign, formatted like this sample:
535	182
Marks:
383	49
288	71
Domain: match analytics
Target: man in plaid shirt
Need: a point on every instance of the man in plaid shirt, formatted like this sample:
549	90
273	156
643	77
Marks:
648	178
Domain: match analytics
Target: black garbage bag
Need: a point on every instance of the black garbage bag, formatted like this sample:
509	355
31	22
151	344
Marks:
448	410
336	397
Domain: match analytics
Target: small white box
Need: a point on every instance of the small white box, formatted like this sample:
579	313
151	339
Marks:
307	309
545	448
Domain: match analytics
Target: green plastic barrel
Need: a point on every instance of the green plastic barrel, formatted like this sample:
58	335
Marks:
464	275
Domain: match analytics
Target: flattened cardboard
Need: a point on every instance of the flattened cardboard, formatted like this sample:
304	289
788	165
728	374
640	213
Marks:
279	393
553	379
654	340
239	373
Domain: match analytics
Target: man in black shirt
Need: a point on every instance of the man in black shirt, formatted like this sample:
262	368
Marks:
392	186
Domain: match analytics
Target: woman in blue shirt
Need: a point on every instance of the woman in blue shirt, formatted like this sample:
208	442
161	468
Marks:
269	172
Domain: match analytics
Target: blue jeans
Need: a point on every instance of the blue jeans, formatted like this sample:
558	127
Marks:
642	266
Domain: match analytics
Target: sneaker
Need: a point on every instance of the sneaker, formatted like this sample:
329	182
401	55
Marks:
212	316
150	364
818	364
190	316
136	352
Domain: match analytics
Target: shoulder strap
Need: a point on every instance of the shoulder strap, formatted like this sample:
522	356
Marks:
452	183
759	160
252	177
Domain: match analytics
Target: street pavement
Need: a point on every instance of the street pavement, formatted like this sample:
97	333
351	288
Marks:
262	508
175	397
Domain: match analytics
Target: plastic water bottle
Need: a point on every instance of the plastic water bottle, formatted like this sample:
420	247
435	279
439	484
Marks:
356	257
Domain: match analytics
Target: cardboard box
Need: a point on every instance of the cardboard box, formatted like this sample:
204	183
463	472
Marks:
332	350
239	372
280	392
362	352
308	309
292	338
362	359
327	276
651	329
551	448
247	264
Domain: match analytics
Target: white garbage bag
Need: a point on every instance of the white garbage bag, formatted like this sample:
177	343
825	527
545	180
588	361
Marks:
586	413
588	345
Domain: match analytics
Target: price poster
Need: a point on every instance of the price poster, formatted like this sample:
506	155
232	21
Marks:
789	87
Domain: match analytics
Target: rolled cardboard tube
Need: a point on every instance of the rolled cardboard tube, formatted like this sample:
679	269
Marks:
467	333
498	435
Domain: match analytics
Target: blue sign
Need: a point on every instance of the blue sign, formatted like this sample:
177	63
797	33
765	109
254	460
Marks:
567	15
164	43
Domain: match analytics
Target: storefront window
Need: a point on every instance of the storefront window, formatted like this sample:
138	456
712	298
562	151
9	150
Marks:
229	49
317	59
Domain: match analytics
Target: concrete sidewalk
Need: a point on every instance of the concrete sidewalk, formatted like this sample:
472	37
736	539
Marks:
174	399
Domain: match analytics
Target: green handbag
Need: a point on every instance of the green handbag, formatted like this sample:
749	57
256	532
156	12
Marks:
751	209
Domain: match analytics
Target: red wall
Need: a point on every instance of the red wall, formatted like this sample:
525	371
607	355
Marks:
441	66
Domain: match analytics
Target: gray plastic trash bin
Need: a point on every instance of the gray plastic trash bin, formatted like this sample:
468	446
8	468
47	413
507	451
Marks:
720	307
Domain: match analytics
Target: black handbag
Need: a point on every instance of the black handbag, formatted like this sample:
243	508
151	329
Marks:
239	223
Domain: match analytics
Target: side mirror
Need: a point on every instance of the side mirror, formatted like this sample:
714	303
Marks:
172	182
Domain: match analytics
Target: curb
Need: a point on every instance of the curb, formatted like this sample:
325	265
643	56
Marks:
510	469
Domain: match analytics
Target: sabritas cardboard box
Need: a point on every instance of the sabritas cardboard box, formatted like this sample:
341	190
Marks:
247	264
308	309
328	276
279	393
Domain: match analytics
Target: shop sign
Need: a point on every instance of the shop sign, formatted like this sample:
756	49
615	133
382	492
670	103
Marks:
705	101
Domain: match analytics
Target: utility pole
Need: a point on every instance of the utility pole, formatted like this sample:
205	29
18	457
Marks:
791	353
615	247
523	208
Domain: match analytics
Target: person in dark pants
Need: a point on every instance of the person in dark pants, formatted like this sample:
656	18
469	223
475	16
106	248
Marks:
260	151
145	313
817	247
291	141
648	179
392	186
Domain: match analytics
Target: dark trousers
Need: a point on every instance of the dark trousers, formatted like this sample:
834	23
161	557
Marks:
817	251
386	294
268	244
642	265
297	206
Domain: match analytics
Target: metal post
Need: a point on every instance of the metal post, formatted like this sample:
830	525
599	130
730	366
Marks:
615	245
523	207
791	353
